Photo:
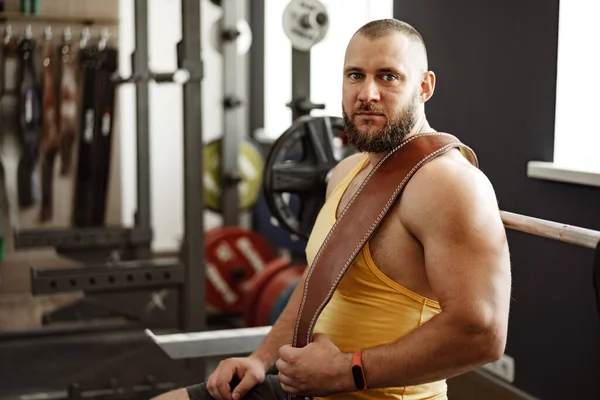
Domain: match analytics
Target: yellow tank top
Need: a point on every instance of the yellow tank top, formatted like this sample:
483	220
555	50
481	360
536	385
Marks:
387	309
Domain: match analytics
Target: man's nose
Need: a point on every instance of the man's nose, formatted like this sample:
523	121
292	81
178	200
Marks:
368	91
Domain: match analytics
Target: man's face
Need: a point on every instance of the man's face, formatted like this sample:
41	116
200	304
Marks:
381	91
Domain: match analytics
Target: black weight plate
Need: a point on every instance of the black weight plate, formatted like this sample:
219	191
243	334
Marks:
268	226
298	167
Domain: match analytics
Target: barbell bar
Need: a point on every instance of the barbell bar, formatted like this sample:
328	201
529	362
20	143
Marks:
179	77
551	230
222	342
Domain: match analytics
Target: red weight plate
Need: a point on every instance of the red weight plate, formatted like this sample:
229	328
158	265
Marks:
276	278
274	290
253	296
234	256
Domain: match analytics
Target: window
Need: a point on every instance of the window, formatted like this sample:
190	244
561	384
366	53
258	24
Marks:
577	132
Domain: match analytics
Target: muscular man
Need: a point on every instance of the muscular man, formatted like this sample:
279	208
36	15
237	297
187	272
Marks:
428	297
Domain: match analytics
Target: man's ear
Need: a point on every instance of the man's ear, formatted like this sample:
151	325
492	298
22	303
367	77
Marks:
427	86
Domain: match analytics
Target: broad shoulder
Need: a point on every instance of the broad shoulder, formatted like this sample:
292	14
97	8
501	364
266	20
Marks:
448	191
342	169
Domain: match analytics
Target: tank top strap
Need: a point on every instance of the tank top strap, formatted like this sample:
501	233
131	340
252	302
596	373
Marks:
343	184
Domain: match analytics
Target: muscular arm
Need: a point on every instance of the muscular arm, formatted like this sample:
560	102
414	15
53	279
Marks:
452	210
282	331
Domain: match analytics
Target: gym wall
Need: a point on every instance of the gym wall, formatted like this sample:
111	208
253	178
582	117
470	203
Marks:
496	67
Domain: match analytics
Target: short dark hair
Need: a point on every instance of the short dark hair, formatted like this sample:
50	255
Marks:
383	27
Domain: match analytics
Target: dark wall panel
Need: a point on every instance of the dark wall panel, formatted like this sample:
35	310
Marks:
496	69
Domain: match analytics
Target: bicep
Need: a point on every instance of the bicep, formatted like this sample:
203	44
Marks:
465	251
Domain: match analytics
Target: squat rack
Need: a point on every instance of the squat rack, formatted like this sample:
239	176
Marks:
92	245
128	284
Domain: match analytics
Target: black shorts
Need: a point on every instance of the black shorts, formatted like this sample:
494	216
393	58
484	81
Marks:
270	389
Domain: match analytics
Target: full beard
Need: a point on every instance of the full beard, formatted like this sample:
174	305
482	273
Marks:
387	137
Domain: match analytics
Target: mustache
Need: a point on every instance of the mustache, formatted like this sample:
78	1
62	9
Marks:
369	108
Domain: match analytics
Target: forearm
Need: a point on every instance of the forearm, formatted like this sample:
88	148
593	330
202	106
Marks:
439	349
282	331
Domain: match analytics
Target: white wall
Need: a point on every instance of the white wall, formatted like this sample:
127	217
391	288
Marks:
166	134
577	132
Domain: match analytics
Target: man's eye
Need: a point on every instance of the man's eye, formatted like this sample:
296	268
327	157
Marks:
354	75
389	77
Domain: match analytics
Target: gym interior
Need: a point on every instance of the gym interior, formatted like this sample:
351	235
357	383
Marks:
151	225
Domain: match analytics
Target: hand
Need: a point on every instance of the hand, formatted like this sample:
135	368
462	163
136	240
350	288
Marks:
319	369
249	370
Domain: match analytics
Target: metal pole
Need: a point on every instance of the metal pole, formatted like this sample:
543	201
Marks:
139	62
300	82
256	105
188	51
552	230
234	127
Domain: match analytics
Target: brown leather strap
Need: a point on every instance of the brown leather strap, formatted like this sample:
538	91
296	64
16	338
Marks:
67	107
49	142
361	217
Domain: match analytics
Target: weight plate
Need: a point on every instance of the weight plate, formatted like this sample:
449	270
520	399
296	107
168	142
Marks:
297	169
268	226
282	301
244	39
234	256
266	294
305	22
250	166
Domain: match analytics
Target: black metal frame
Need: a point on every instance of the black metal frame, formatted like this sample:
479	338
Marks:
139	65
256	105
301	104
189	50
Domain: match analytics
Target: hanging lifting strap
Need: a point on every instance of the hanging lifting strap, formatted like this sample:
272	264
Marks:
30	119
105	92
84	193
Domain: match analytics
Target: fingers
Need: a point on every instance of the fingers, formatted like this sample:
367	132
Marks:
286	380
287	384
286	352
289	389
218	389
246	384
224	390
282	366
218	385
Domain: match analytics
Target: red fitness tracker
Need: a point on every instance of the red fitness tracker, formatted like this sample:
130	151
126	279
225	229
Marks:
358	372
